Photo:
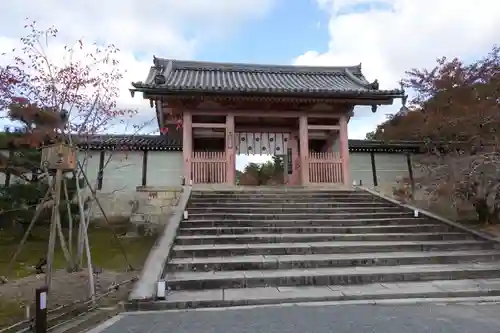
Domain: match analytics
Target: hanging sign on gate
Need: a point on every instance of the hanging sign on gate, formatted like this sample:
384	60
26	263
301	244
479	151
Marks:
249	143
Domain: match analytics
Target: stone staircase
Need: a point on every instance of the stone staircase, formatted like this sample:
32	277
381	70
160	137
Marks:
286	246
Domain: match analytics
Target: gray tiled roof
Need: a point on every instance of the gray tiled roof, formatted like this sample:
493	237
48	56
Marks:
165	142
131	142
173	141
383	146
175	76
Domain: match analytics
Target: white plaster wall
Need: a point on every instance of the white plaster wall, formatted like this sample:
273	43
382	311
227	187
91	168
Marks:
2	175
360	166
13	178
390	167
90	163
165	168
122	173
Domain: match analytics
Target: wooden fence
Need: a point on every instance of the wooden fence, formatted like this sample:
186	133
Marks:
208	167
325	167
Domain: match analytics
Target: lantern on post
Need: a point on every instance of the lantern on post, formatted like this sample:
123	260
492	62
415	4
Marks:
59	156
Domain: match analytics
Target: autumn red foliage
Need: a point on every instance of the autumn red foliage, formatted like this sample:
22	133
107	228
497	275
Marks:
55	91
455	113
453	102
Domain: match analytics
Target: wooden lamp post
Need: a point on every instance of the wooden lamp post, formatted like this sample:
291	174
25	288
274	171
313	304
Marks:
57	159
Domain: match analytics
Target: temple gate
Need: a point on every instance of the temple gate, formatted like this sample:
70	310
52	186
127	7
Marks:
300	113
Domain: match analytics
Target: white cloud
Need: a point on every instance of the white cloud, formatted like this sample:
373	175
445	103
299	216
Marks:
391	36
168	26
141	29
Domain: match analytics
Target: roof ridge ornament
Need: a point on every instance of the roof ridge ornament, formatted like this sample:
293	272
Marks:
404	109
160	79
356	79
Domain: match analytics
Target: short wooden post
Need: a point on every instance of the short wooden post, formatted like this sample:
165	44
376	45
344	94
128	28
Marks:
374	169
41	309
145	168
410	174
100	172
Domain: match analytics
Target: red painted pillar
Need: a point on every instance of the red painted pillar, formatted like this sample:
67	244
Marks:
230	151
344	150
293	179
304	150
187	145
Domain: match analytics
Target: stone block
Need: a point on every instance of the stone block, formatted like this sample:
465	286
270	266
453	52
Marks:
196	296
138	219
240	295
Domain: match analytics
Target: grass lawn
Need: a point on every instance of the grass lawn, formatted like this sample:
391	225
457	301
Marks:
105	250
10	312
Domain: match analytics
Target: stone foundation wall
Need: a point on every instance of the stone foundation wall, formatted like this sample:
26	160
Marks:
440	205
146	207
153	205
116	205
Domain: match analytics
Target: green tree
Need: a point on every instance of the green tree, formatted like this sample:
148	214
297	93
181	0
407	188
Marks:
265	173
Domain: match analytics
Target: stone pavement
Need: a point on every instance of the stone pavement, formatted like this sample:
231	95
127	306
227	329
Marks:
416	318
319	293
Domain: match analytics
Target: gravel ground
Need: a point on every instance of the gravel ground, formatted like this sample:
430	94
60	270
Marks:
428	318
66	287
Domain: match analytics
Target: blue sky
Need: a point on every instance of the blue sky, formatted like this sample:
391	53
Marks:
292	28
387	36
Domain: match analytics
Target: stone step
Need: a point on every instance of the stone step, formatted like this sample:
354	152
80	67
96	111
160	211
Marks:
236	209
273	204
437	289
278	188
285	199
307	261
296	216
227	250
329	276
312	237
286	196
278	192
271	194
313	221
424	227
